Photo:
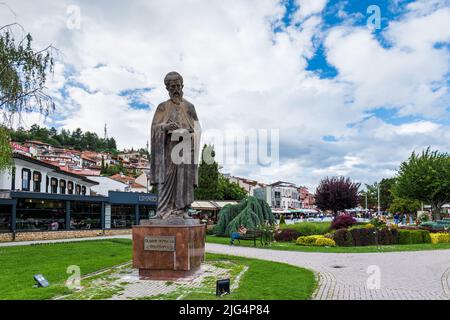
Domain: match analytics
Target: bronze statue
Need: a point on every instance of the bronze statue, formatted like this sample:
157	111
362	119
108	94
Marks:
175	137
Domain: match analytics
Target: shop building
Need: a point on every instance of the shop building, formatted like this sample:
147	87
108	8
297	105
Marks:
40	201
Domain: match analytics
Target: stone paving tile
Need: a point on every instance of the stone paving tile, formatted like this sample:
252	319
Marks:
136	288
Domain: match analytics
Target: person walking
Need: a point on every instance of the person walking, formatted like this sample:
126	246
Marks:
396	218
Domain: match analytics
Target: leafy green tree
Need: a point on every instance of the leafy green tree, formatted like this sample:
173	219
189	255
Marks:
23	74
5	149
425	177
371	191
230	190
208	176
404	206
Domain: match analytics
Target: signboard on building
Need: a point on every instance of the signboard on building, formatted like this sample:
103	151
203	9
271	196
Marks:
159	243
107	216
147	198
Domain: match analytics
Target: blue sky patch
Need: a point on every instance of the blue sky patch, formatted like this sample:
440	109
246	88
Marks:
134	97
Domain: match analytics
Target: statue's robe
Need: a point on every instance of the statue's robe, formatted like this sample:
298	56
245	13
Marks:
175	181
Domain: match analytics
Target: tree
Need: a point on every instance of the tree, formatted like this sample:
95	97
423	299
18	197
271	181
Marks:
371	191
425	177
230	190
337	193
5	149
23	74
404	206
208	177
250	212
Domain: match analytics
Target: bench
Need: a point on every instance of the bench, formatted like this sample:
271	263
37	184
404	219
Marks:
252	234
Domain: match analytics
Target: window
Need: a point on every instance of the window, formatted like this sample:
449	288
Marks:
70	187
37	178
5	218
54	185
77	189
85	216
47	183
83	190
26	176
122	216
62	186
40	215
146	212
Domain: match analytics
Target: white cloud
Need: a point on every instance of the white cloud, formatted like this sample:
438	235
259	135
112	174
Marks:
239	74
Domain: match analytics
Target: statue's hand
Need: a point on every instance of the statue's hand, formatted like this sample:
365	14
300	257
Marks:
171	126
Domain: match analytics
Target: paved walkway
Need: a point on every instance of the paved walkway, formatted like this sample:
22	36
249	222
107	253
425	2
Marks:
27	243
402	275
342	276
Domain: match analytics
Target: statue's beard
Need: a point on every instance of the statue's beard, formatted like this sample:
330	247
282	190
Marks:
177	97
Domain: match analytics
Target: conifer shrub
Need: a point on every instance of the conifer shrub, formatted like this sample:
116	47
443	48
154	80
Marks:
250	212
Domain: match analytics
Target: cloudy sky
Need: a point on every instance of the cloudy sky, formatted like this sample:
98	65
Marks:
347	99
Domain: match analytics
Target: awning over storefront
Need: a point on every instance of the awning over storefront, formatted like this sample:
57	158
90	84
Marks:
212	205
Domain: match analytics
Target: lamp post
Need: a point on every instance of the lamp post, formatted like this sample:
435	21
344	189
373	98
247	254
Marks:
366	201
378	189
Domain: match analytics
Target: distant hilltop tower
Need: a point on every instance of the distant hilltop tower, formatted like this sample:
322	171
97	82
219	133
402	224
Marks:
106	132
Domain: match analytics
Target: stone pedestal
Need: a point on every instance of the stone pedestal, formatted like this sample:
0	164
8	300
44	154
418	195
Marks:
168	249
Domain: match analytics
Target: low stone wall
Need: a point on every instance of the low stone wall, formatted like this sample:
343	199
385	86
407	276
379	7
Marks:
53	235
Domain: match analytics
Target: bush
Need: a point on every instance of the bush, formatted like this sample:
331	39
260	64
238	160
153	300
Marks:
286	235
325	242
440	237
308	240
342	222
371	236
282	220
368	236
386	237
343	238
315	240
309	228
413	236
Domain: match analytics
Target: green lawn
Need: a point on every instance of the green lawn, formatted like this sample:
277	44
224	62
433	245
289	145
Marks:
20	263
263	279
289	246
266	280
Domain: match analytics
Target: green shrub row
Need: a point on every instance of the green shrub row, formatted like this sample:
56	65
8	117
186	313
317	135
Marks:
371	236
309	228
413	236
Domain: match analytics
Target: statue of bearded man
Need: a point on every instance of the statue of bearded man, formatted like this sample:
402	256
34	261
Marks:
175	137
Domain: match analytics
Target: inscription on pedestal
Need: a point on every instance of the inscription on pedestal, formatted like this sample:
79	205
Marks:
159	243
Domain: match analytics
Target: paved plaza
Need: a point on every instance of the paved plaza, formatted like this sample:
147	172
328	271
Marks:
402	275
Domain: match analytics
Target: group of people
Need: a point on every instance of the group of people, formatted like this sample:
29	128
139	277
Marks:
403	218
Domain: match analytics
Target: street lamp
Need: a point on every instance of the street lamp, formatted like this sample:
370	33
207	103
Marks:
378	188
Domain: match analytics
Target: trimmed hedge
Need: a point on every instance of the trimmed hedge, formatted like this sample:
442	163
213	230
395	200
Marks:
287	235
413	236
343	238
308	228
366	237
